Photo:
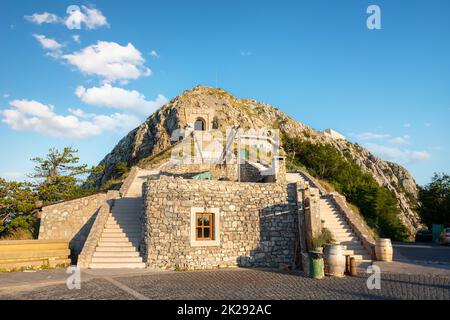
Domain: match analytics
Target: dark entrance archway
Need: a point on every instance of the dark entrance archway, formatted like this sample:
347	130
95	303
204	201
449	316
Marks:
200	124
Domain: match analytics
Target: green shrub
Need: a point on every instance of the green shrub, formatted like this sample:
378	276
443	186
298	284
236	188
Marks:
120	169
324	238
378	205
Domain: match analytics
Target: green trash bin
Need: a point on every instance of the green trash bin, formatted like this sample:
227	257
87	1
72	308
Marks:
436	232
316	265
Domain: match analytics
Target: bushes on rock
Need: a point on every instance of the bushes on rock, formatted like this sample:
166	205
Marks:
377	204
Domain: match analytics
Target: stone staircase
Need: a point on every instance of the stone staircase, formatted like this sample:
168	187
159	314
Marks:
336	223
119	243
342	232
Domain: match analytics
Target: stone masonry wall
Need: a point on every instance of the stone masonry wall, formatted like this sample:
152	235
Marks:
228	172
258	224
70	220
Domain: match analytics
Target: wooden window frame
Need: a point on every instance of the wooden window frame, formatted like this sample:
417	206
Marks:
210	215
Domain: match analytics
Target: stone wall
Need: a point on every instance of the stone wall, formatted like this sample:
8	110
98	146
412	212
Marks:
257	224
228	172
313	222
70	221
219	172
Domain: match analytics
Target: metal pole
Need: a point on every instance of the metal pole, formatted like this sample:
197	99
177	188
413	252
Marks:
239	155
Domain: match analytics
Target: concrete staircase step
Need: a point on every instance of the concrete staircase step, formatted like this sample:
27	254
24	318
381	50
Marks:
346	239
116	254
126	231
121	234
117	265
117	259
117	239
337	227
115	244
123	225
116	249
355	252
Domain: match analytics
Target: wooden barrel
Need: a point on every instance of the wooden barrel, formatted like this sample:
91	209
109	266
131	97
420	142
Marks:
383	250
334	260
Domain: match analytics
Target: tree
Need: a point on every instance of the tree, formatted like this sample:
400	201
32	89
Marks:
58	175
57	164
434	200
120	169
18	204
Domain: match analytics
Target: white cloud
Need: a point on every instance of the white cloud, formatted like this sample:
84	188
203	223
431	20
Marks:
400	140
45	17
47	43
5	95
30	115
110	61
81	113
76	38
118	98
154	54
246	53
428	124
370	136
16	176
407	125
91	18
397	154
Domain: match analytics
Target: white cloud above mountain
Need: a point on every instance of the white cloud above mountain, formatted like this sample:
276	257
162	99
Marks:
119	98
31	115
45	17
370	136
13	175
403	140
48	43
397	154
154	54
110	61
77	17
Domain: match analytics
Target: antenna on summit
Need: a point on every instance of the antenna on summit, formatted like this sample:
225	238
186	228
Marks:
217	81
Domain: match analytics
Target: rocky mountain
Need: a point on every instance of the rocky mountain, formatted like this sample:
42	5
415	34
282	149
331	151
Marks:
152	138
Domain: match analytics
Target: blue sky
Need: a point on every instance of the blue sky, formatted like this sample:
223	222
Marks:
86	87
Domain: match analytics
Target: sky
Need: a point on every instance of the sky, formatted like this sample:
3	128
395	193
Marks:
83	74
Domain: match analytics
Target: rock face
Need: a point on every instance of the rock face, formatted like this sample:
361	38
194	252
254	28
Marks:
218	109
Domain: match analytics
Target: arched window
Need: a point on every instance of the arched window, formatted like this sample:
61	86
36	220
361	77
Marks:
199	125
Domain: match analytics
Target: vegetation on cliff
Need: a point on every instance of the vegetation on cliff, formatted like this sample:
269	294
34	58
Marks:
377	204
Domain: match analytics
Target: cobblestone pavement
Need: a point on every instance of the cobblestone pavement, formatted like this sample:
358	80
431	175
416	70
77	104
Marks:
246	284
